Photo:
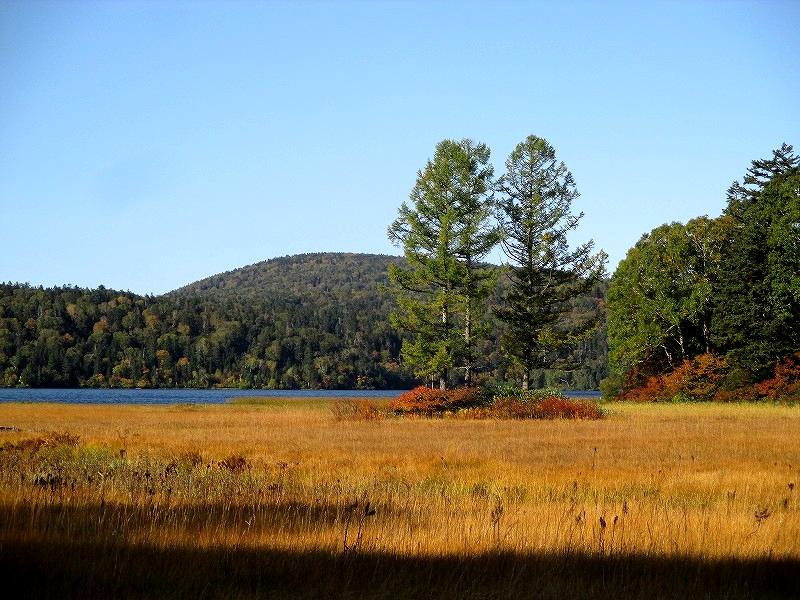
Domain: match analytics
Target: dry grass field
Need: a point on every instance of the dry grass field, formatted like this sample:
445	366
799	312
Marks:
282	499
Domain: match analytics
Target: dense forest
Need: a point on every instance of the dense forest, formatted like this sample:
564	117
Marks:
306	321
710	309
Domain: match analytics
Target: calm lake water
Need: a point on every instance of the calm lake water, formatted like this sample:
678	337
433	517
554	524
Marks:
173	396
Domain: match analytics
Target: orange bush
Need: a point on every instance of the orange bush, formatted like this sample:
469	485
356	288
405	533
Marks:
467	402
356	409
565	408
707	377
550	407
785	385
699	378
652	391
696	379
426	401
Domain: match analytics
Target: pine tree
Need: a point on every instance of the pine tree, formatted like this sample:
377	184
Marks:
445	234
757	300
535	197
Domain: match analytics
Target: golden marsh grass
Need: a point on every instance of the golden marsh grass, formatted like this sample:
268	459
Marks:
282	499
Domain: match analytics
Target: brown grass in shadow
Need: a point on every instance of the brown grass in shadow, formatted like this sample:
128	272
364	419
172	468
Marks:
59	569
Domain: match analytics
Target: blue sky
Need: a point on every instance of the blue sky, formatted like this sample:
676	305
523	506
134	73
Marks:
144	145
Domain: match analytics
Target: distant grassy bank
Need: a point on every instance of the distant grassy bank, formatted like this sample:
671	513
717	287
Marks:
283	500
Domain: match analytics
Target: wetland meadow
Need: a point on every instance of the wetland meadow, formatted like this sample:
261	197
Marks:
280	497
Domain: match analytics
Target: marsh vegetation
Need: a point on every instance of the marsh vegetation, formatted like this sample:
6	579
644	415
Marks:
283	499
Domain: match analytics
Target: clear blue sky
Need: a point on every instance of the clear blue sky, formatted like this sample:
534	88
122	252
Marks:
146	145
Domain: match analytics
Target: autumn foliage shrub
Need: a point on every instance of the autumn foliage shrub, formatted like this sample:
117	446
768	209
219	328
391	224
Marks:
473	403
708	377
652	391
566	408
426	401
785	385
699	378
356	409
550	407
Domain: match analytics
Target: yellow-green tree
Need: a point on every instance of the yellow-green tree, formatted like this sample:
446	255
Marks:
445	233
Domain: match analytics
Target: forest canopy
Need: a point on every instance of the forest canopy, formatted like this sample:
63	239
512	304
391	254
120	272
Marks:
714	305
307	321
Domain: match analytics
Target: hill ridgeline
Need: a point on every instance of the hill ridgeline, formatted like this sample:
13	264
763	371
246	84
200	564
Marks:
305	321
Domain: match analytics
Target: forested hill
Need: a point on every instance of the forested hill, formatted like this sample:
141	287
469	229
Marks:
305	276
306	321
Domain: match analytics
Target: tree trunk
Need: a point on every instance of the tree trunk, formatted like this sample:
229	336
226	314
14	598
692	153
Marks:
669	357
525	379
445	323
680	343
468	344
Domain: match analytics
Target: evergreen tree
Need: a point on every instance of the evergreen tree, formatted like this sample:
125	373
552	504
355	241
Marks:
476	235
757	316
535	197
445	234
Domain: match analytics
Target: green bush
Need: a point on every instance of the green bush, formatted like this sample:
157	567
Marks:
491	393
611	387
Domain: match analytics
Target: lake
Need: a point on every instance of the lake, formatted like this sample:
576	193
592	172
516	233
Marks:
184	396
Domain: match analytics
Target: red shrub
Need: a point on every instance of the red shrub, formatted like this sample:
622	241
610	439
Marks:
785	385
551	407
707	377
504	408
419	400
426	401
699	378
696	379
565	408
652	391
467	402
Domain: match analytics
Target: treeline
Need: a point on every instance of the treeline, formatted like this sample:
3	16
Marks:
710	309
308	321
73	337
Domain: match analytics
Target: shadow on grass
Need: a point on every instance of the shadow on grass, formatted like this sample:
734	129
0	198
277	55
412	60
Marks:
90	522
44	565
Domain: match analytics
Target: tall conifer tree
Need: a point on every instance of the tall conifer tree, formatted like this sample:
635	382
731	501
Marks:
534	203
757	300
445	234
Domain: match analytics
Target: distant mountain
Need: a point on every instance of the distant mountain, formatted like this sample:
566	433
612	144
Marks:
352	286
305	276
305	321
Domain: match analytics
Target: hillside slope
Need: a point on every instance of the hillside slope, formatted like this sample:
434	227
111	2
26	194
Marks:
352	285
303	275
305	321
